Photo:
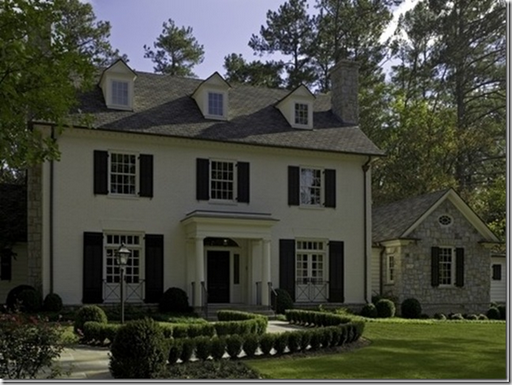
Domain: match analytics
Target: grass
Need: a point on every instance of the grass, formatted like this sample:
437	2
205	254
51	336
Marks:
406	350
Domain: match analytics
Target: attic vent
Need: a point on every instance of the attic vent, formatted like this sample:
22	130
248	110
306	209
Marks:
445	220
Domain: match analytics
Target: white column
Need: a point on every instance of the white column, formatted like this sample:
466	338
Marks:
265	275
198	295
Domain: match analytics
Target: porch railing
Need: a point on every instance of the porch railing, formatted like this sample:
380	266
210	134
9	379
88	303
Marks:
134	292
271	291
311	290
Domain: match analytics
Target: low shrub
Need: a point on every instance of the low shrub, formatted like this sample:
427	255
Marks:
280	343
187	349
174	300
12	301
385	308
175	347
410	308
211	370
503	312
218	347
310	317
283	301
369	311
89	313
471	317
456	316
251	344
30	301
315	339
336	336
267	343
234	345
203	347
305	339
493	313
52	302
294	341
138	350
440	316
482	317
326	334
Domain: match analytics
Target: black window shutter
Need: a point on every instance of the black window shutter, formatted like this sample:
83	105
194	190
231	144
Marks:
336	271
459	267
146	176
93	268
287	266
203	180
330	188
293	186
154	253
496	272
100	172
243	182
6	264
435	266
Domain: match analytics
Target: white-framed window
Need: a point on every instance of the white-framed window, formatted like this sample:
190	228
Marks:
390	269
123	173
120	93
222	180
446	266
310	186
215	104
301	114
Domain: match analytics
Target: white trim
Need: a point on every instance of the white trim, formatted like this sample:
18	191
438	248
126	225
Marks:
453	266
137	173
388	279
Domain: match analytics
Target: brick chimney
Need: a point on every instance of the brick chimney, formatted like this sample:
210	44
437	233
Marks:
344	85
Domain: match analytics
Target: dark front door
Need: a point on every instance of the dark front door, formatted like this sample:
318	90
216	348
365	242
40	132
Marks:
218	276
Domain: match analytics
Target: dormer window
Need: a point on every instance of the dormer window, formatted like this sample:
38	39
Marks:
119	93
301	114
215	104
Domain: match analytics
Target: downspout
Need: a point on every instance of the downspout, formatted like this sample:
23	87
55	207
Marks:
381	269
51	233
366	167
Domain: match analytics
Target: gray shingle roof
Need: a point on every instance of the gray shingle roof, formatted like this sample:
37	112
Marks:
391	221
163	106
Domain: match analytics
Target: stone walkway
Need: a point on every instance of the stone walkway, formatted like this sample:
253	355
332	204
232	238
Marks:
87	362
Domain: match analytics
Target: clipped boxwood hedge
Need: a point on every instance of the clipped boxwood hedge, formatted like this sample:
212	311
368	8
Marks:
314	318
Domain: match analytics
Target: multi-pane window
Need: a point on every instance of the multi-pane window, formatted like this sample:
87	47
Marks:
133	267
119	93
123	173
446	266
310	186
496	272
301	114
391	268
310	259
222	180
215	104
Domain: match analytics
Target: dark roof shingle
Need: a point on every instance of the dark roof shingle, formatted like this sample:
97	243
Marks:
163	106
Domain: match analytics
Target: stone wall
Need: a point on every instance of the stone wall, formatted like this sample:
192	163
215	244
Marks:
35	226
414	266
345	84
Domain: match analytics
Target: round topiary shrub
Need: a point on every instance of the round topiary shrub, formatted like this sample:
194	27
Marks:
30	301
369	311
174	351
89	313
482	317
411	308
284	301
294	341
385	308
218	347
280	343
138	350
456	316
174	300
493	313
251	345
203	347
52	302
472	317
12	302
267	343
234	345
187	349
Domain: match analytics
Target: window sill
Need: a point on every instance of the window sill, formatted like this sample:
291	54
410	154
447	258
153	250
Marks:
311	207
123	196
220	202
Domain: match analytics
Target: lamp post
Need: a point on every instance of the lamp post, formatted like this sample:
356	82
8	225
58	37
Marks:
123	253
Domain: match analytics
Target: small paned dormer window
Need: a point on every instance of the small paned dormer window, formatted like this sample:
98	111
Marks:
301	114
445	220
215	104
119	93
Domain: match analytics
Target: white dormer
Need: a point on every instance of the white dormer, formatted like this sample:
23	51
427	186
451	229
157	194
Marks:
117	85
211	97
297	107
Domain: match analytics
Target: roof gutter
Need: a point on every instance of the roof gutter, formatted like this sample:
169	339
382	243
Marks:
366	168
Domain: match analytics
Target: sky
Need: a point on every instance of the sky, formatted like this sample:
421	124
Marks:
221	26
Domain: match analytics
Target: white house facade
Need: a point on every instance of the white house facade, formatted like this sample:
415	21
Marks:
213	187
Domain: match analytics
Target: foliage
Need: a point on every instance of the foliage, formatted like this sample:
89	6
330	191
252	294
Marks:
280	343
12	300
99	332
313	317
203	347
176	51
385	308
234	345
138	350
89	313
52	302
369	310
294	341
187	349
493	313
28	345
174	300
440	316
267	343
250	344
30	301
283	302
175	347
219	346
410	308
38	79
255	73
503	311
214	370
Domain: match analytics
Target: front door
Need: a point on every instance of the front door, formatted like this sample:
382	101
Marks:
217	276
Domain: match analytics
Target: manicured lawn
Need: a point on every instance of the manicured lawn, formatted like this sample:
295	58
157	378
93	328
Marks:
406	350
